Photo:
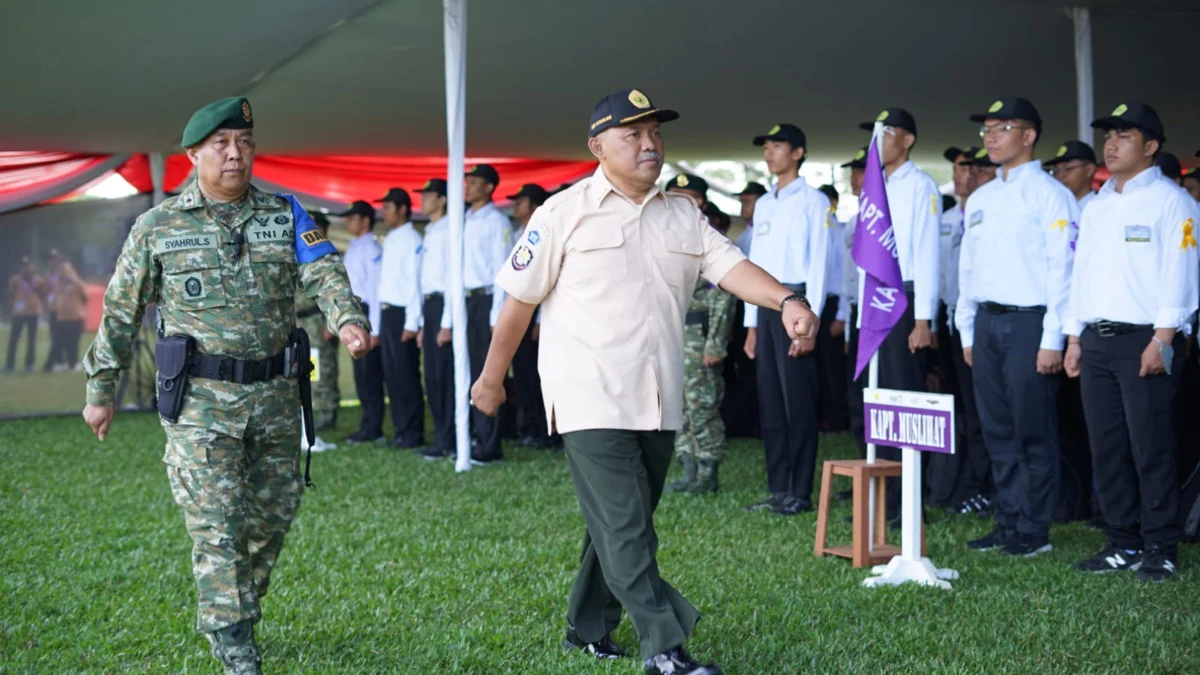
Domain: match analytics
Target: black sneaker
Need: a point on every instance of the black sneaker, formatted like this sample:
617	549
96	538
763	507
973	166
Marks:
677	662
997	538
485	461
977	505
1157	565
604	649
433	454
768	504
361	436
401	444
1028	546
1111	559
791	506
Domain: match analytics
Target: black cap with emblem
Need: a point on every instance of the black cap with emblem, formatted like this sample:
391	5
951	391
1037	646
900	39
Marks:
1134	115
981	158
898	118
228	113
625	107
788	133
753	190
1011	108
359	208
952	153
687	181
859	160
486	172
536	193
397	196
1072	150
436	186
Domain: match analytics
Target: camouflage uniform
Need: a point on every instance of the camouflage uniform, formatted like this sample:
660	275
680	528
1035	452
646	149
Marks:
233	456
325	394
700	443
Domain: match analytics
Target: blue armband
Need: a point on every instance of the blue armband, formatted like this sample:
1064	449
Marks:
311	243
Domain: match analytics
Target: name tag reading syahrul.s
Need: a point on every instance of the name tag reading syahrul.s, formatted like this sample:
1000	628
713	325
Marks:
1137	234
185	242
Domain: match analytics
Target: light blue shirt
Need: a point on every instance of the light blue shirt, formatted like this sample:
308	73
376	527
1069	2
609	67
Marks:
487	243
400	273
435	266
792	230
363	259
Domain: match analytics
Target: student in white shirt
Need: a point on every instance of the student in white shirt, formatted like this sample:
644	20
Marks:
832	413
400	319
848	313
740	410
1074	165
1014	277
791	236
1133	290
487	242
437	320
363	258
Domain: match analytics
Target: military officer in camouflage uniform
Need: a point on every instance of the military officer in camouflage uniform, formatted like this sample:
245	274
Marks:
325	394
223	261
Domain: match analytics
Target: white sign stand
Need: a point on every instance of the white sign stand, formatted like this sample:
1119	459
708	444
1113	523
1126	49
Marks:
910	565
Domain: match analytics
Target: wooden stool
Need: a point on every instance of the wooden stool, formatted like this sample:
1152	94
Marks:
860	473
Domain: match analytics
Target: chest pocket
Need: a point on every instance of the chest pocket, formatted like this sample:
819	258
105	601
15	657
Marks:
681	262
595	254
191	279
274	265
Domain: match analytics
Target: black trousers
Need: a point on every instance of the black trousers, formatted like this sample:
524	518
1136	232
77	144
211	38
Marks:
528	384
28	324
1129	423
69	333
484	430
956	478
1018	409
439	375
52	356
901	369
831	355
402	370
787	401
739	409
854	388
368	384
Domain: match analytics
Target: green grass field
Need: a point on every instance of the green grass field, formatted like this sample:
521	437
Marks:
397	565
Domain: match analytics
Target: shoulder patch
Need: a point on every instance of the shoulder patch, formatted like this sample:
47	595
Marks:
311	244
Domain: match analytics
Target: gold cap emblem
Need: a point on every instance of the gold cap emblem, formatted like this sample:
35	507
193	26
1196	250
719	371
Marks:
882	116
681	181
639	99
246	111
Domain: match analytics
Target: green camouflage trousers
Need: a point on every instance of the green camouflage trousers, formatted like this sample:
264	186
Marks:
239	490
703	432
325	394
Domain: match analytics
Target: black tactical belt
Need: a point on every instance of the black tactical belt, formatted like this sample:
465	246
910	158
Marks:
235	370
1111	328
305	313
997	308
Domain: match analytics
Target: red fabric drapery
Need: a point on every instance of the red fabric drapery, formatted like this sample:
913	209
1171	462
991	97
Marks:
137	172
345	178
22	171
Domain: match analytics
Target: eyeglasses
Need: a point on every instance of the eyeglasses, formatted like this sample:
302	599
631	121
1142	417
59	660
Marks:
1063	169
987	130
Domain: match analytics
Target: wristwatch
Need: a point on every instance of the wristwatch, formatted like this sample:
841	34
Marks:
798	297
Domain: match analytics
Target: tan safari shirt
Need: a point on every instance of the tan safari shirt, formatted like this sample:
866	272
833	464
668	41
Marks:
614	279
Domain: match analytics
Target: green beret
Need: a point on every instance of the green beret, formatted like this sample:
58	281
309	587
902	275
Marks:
228	113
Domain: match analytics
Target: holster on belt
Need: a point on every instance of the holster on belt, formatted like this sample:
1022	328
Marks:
172	355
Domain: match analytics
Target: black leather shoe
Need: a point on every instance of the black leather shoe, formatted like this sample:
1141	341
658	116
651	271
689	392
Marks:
604	649
675	661
360	437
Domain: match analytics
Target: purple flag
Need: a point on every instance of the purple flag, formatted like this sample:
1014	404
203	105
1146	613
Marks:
874	250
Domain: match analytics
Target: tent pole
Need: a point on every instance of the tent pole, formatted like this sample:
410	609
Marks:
1082	19
158	169
455	37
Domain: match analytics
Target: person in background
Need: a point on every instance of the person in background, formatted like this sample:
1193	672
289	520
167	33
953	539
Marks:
531	407
1074	165
52	281
1134	289
1169	164
437	321
748	197
848	315
739	410
1191	182
70	312
325	394
25	291
400	319
363	259
831	343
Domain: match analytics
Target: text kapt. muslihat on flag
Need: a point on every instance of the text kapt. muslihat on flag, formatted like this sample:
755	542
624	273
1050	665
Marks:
874	250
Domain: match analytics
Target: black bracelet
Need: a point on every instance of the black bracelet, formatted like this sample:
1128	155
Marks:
794	296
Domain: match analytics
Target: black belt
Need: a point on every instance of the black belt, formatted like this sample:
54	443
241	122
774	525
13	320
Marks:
1111	328
431	296
482	290
235	370
305	313
997	308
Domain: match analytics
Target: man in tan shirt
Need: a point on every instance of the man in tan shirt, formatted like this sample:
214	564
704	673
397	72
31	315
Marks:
613	262
25	290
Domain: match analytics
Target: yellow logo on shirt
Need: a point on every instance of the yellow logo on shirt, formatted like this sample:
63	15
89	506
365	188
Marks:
1189	239
933	204
1059	225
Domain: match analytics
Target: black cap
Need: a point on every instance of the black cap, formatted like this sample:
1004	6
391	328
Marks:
859	160
953	153
1134	115
397	196
1192	173
755	189
784	132
359	208
1169	165
1011	108
830	192
948	202
536	193
486	172
1072	150
319	218
437	185
980	158
688	181
893	117
625	107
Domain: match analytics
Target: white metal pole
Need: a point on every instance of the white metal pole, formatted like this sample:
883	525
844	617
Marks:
1082	19
872	382
455	31
158	170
